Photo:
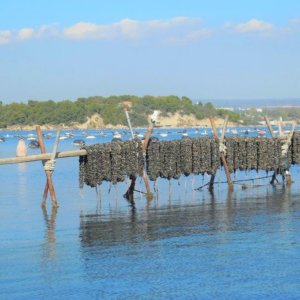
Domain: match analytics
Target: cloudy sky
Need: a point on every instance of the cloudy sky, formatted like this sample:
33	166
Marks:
216	49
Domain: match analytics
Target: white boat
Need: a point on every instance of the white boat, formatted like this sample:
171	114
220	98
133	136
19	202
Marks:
139	135
31	137
117	135
163	134
184	133
204	133
78	143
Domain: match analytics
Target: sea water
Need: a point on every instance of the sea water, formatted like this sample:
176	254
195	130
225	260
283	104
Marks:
183	244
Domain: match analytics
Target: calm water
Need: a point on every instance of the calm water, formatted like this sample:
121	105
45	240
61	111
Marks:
184	244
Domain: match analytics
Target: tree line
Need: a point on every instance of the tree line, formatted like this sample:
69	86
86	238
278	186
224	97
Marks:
111	109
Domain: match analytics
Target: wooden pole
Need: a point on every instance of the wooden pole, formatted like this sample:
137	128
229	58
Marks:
43	150
49	183
273	136
49	173
269	126
128	121
145	146
38	157
222	156
213	176
280	127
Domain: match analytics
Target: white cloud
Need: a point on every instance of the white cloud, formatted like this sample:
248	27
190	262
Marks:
253	25
5	37
25	34
161	30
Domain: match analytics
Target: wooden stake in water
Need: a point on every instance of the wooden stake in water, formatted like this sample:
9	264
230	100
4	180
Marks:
222	156
49	183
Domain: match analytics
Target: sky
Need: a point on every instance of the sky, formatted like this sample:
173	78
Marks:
212	49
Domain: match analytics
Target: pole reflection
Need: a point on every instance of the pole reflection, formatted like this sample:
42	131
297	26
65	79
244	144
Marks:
49	245
214	215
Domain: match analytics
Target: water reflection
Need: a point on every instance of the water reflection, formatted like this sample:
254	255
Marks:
49	245
22	179
172	220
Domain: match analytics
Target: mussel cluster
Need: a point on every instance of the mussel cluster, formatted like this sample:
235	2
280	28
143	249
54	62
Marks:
171	159
110	162
253	153
115	161
295	148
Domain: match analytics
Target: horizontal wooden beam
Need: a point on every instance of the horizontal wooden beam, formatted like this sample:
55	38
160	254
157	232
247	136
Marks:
45	156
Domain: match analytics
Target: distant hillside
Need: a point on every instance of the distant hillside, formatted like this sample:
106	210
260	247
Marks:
109	109
255	103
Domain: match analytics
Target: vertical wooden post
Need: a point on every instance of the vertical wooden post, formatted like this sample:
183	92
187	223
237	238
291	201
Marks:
280	126
145	146
212	178
43	150
269	126
49	184
273	136
222	156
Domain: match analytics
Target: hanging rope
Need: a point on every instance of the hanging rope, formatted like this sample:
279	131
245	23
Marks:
50	165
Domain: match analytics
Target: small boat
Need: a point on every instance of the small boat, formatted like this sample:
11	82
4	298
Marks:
79	143
204	133
31	137
234	131
163	134
139	135
184	133
48	135
117	135
33	144
63	137
261	132
69	134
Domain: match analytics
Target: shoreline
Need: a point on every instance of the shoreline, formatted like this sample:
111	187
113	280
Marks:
95	123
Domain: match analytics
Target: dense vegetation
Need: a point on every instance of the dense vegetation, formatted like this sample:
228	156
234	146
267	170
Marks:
111	109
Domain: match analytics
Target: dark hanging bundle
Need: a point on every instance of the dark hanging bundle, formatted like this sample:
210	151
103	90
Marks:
196	163
242	150
186	156
153	159
215	154
230	154
110	162
95	166
205	155
262	154
252	152
295	148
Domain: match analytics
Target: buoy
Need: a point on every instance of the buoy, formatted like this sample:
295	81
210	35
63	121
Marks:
21	148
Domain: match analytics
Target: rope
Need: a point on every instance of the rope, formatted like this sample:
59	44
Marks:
49	165
234	181
222	148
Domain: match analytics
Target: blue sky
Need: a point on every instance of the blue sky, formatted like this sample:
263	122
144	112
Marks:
65	49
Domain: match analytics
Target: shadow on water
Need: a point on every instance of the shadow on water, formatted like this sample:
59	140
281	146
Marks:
172	220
